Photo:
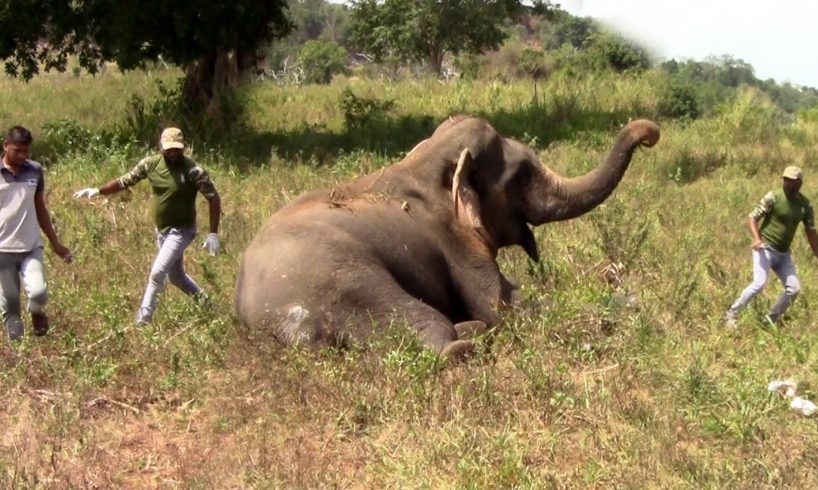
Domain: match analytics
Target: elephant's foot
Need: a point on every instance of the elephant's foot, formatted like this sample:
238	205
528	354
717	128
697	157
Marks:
457	350
470	330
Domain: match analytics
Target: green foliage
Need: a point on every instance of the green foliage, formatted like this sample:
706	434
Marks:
35	33
423	30
617	53
321	60
360	112
513	61
753	117
144	119
468	65
535	63
64	137
317	19
567	29
679	102
213	40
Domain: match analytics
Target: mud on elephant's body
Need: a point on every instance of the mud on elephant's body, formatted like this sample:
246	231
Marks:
416	241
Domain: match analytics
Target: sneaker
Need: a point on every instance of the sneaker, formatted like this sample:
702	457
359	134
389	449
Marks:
39	323
771	320
730	318
201	298
143	317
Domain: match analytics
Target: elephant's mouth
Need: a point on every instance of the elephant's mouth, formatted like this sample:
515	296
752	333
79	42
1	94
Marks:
528	242
525	237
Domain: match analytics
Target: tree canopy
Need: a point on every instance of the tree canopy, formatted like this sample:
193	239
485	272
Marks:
424	30
212	39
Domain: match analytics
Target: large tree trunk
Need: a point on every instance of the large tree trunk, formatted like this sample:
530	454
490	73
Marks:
436	60
209	77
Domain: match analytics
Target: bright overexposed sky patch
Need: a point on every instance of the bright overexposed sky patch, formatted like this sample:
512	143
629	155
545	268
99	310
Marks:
779	38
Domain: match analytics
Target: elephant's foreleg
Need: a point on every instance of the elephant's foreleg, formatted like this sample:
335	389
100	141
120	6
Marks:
389	301
471	329
441	336
431	325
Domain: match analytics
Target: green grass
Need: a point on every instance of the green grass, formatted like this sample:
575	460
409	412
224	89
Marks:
617	372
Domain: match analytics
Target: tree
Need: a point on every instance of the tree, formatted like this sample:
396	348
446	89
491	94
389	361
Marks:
425	30
617	53
213	40
318	19
321	60
567	29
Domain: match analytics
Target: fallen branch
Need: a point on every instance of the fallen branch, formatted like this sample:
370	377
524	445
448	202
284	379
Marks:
601	370
102	400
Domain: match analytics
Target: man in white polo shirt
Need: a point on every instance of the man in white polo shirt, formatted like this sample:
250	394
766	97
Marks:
22	214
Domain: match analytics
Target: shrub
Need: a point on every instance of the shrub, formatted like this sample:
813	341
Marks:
535	63
362	111
469	65
679	102
753	117
144	120
321	60
615	52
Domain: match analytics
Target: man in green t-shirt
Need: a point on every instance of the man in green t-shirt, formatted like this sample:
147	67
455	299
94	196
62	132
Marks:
779	212
175	181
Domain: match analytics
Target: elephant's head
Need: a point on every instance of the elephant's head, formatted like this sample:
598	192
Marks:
499	186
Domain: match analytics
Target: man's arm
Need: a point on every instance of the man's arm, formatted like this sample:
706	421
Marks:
809	229
111	187
757	242
139	172
205	186
812	238
44	219
215	204
761	210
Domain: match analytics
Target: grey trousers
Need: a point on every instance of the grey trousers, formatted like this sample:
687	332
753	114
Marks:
13	266
781	263
169	264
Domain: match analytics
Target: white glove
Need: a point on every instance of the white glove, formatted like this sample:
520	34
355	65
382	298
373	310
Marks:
212	243
89	193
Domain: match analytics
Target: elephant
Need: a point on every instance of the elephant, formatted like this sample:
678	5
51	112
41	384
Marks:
417	241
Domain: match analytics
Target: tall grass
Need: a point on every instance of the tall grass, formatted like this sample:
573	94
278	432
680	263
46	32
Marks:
617	370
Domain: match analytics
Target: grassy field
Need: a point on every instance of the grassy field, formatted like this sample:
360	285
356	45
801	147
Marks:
617	372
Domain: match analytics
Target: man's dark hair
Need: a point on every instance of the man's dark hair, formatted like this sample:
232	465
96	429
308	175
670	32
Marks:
19	135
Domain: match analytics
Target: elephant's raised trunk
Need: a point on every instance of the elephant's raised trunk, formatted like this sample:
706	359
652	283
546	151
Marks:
569	198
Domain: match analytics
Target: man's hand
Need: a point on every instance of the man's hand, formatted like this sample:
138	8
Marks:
212	243
758	245
63	252
89	193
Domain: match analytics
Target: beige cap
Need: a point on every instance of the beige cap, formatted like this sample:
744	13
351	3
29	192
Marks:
172	138
793	172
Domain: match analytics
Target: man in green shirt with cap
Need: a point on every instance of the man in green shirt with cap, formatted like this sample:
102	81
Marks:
779	213
175	181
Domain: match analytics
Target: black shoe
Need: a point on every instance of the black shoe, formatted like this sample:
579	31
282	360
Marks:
39	322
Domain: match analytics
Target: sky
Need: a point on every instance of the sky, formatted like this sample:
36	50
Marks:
778	38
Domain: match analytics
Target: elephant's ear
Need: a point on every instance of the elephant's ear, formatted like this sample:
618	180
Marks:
466	200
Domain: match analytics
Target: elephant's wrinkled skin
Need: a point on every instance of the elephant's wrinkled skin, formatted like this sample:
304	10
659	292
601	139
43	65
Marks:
416	241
